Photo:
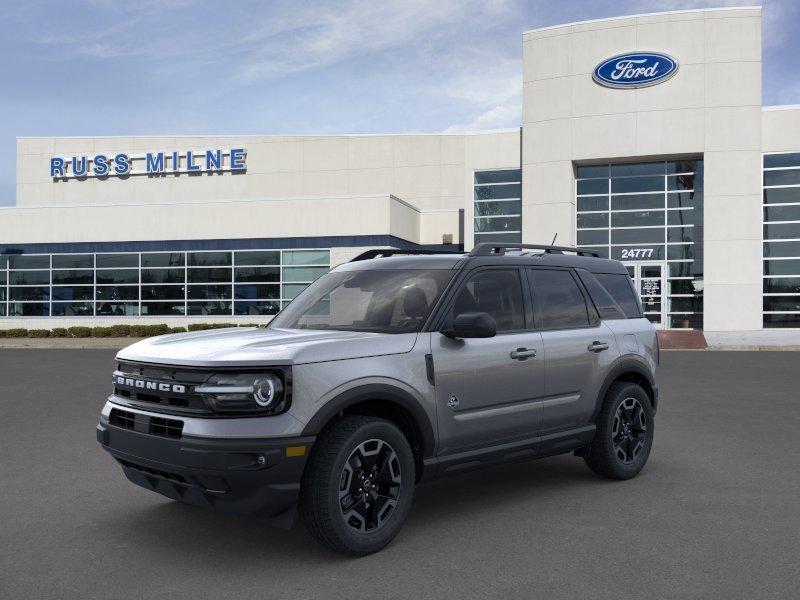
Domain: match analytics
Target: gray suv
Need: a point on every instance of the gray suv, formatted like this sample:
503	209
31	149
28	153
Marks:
397	367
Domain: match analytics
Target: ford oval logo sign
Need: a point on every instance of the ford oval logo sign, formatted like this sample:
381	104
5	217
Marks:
635	70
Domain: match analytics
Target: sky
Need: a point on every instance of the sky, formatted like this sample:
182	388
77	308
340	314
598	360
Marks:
205	67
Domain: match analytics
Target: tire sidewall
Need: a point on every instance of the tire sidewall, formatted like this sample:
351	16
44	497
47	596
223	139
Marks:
629	391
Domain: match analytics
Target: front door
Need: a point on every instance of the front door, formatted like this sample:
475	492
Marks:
489	390
649	279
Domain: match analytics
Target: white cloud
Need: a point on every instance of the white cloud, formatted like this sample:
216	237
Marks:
497	117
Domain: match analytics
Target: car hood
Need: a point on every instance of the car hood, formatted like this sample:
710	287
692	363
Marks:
260	346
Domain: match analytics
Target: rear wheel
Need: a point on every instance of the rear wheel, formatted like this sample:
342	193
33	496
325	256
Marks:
358	486
624	433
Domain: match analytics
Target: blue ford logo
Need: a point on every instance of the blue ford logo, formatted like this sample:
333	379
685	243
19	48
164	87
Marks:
635	70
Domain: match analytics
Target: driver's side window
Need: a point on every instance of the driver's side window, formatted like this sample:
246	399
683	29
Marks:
497	292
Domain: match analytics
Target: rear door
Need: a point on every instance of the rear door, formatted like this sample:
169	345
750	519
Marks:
578	347
488	390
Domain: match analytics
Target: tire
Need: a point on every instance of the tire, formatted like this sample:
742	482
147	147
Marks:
624	435
350	520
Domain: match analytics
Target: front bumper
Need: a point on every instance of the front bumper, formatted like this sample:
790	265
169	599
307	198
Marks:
256	477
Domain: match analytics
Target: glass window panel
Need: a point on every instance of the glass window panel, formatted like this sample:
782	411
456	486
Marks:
494	192
592	237
209	292
23	261
2	277
163	259
209	275
222	307
73	277
3	262
684	217
28	309
300	274
637	236
209	259
781	249
680	234
637	201
163	276
684	166
84	292
685	200
559	300
683	269
162	292
256	308
162	308
496	292
509	238
72	309
586	171
782	267
259	258
593	203
592	186
29	277
498	224
257	292
694	304
774	321
680	252
782	213
73	261
306	257
257	274
601	250
685	286
29	293
2	294
506	207
787	177
684	182
782	195
789	159
117	309
638	252
649	168
782	231
2	309
115	292
686	321
291	290
498	176
114	261
782	285
782	303
592	220
636	184
118	276
637	219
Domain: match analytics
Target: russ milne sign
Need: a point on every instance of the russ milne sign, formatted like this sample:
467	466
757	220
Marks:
150	163
635	70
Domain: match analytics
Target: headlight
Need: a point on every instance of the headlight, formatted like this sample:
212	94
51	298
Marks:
243	392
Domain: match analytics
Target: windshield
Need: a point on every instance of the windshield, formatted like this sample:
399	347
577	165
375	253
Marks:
390	301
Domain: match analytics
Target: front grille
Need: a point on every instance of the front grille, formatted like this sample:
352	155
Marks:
161	388
157	472
172	428
122	418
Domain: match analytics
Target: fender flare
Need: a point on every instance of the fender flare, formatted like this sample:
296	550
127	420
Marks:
376	391
626	364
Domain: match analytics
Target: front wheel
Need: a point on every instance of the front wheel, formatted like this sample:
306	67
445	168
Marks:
624	433
358	486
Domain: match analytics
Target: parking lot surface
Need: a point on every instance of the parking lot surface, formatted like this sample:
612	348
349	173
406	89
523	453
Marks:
714	514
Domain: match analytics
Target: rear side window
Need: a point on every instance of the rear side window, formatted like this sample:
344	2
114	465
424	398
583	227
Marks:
620	288
558	299
606	305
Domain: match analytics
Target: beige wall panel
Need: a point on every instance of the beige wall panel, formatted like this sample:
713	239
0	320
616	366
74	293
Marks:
733	39
670	132
781	130
417	150
370	152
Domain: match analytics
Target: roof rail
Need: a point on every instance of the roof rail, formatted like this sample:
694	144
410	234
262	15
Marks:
384	252
487	248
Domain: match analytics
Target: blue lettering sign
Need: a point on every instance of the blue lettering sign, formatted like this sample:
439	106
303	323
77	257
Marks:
237	159
213	160
190	166
56	167
635	70
121	164
176	161
154	162
79	166
100	163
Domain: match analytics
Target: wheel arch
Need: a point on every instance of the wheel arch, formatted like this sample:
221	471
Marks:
634	371
387	402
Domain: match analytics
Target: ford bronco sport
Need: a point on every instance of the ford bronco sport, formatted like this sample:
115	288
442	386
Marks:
397	367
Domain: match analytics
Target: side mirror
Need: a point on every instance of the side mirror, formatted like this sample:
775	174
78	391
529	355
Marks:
472	325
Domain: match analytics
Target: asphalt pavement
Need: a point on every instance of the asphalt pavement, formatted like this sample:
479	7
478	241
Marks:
714	514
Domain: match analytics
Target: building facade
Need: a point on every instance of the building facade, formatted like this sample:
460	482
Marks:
643	138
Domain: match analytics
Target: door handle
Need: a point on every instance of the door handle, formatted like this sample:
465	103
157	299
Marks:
597	346
523	354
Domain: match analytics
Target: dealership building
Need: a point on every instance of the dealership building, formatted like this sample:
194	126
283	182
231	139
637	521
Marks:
643	138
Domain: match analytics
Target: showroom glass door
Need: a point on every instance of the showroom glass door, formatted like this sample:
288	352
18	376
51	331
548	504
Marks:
649	279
